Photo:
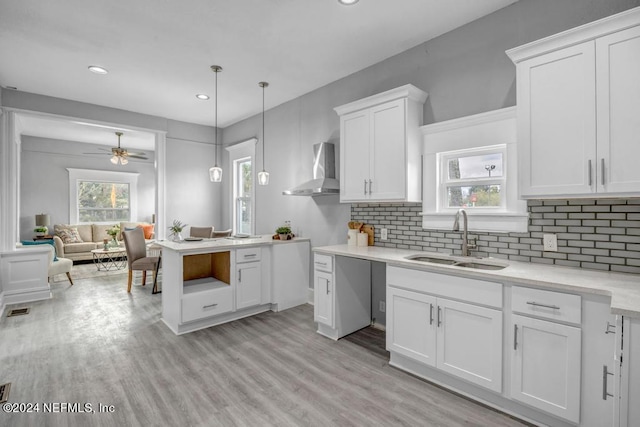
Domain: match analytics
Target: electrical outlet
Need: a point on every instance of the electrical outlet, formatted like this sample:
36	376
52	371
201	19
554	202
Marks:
383	306
550	242
383	234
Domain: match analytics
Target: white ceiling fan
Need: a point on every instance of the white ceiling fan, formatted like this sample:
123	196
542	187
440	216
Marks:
121	155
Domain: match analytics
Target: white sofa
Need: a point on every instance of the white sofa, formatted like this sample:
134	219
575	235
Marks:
92	236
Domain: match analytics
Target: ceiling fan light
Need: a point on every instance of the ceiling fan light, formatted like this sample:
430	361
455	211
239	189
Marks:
263	178
114	160
98	70
123	160
347	2
215	174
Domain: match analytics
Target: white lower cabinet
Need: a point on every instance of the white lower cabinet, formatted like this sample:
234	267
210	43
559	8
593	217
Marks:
545	366
411	328
323	298
469	343
461	339
342	295
249	278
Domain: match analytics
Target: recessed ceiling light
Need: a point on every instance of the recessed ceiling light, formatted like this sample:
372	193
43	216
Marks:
202	96
348	2
98	70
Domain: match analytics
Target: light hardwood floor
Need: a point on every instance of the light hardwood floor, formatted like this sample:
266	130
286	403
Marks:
94	343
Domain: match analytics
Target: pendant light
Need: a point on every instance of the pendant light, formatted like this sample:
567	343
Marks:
215	173
263	176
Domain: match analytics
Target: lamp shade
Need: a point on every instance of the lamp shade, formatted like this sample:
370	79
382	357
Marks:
215	174
43	220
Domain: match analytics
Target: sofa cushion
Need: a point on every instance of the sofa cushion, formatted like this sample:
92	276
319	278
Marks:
99	232
74	248
148	230
68	233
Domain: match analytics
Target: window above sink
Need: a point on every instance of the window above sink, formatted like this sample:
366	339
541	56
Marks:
471	163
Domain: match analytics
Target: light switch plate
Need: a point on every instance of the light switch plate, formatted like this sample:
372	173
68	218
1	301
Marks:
383	234
550	242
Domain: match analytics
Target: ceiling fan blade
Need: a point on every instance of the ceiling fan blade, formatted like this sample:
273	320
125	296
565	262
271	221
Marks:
139	153
100	154
133	156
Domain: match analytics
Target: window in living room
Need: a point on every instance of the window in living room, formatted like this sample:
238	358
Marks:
102	196
103	201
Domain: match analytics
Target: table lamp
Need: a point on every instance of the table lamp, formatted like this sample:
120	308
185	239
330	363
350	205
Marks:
42	221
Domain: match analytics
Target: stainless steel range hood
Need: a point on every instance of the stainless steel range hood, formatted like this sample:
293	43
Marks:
324	180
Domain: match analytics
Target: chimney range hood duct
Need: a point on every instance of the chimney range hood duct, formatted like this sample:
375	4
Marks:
324	180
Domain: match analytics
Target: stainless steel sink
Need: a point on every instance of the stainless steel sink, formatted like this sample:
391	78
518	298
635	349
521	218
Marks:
479	265
464	263
432	260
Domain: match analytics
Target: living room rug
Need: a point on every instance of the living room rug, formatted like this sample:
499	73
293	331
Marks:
87	271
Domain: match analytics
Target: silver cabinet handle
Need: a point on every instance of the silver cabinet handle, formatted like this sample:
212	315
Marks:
239	275
250	255
365	186
554	307
602	171
370	187
327	287
609	327
324	264
431	314
590	174
605	374
439	318
515	337
209	306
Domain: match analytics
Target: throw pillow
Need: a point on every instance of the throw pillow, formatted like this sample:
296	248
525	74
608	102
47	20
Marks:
69	235
42	242
148	230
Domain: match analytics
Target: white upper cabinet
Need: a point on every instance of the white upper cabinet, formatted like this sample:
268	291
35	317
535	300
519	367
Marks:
577	94
380	148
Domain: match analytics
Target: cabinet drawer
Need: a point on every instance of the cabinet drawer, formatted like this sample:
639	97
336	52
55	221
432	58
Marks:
248	255
475	291
323	262
199	305
547	304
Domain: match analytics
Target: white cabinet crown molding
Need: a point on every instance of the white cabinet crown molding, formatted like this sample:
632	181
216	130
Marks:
590	31
407	91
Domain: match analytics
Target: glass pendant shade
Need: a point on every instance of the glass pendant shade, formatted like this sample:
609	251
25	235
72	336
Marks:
114	160
215	174
263	178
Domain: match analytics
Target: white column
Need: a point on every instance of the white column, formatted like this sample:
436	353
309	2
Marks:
9	180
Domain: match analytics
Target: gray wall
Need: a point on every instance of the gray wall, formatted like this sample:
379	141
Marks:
44	180
464	71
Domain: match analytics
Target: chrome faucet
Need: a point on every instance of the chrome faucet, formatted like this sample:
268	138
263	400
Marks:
456	227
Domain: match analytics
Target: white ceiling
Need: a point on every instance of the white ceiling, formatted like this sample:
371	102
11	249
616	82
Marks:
158	53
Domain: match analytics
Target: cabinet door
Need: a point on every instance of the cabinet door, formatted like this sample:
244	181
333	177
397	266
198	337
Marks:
354	164
388	163
557	122
470	343
411	325
545	366
618	68
249	285
323	296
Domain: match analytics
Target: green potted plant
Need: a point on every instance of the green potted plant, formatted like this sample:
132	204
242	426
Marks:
284	232
40	230
113	232
176	228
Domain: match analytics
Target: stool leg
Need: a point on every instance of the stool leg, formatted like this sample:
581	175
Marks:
69	277
129	281
144	277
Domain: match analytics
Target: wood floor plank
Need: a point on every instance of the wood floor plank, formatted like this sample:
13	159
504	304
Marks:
94	342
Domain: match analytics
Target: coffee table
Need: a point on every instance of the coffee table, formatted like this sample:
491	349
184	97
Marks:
110	259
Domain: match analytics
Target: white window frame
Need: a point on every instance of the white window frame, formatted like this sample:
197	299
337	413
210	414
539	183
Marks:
77	175
238	152
444	182
472	135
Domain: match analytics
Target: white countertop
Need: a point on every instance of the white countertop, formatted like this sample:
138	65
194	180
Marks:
624	289
221	243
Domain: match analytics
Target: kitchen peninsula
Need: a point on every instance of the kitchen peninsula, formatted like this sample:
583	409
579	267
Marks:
213	281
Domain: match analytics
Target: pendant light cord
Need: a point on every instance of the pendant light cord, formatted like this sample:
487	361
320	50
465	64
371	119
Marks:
263	139
216	120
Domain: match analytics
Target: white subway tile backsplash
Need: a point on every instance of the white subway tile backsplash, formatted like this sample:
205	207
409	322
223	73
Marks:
594	234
